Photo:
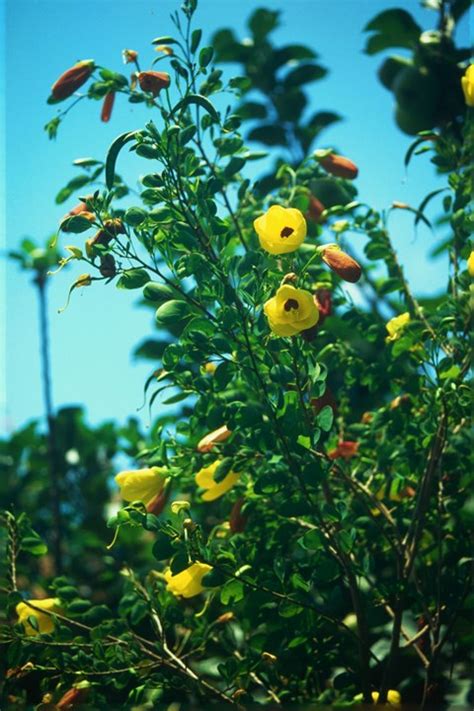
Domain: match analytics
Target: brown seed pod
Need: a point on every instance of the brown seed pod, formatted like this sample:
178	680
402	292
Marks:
72	79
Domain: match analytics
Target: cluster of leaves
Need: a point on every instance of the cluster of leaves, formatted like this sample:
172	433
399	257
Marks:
322	568
426	84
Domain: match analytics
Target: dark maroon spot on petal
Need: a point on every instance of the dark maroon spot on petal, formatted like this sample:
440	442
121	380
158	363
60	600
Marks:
291	304
286	232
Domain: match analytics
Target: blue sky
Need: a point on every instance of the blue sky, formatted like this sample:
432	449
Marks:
93	339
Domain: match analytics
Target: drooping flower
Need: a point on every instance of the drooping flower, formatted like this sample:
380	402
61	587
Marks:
142	484
153	82
188	582
396	325
467	83
215	489
341	263
280	229
107	106
339	166
207	443
291	311
72	79
470	262
346	449
45	621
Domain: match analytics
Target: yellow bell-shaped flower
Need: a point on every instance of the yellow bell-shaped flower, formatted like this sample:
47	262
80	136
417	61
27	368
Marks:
394	700
141	484
396	325
188	582
215	489
467	83
470	263
280	229
45	622
291	311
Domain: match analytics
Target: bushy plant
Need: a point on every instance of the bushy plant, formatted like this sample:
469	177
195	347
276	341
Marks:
305	501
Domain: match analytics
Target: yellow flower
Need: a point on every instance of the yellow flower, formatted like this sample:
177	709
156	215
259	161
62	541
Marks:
205	479
45	622
188	582
209	368
291	311
280	229
396	325
394	700
141	484
470	259
467	83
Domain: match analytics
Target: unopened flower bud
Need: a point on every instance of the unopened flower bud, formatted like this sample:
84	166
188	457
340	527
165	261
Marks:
323	299
129	56
107	266
315	209
72	79
290	278
225	617
153	82
158	503
165	49
341	263
107	106
237	520
210	440
344	450
400	205
73	698
268	657
83	280
339	166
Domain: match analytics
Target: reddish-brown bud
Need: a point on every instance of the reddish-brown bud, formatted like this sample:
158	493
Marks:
107	266
339	166
317	403
105	235
153	82
345	266
129	56
72	79
81	207
344	450
315	209
237	521
156	505
73	698
107	106
323	299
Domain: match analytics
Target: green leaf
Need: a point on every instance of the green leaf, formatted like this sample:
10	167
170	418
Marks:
163	548
164	39
304	75
135	216
34	545
172	311
75	184
75	224
153	291
112	155
233	591
195	40
234	166
269	134
325	418
262	22
392	28
205	56
198	100
133	279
